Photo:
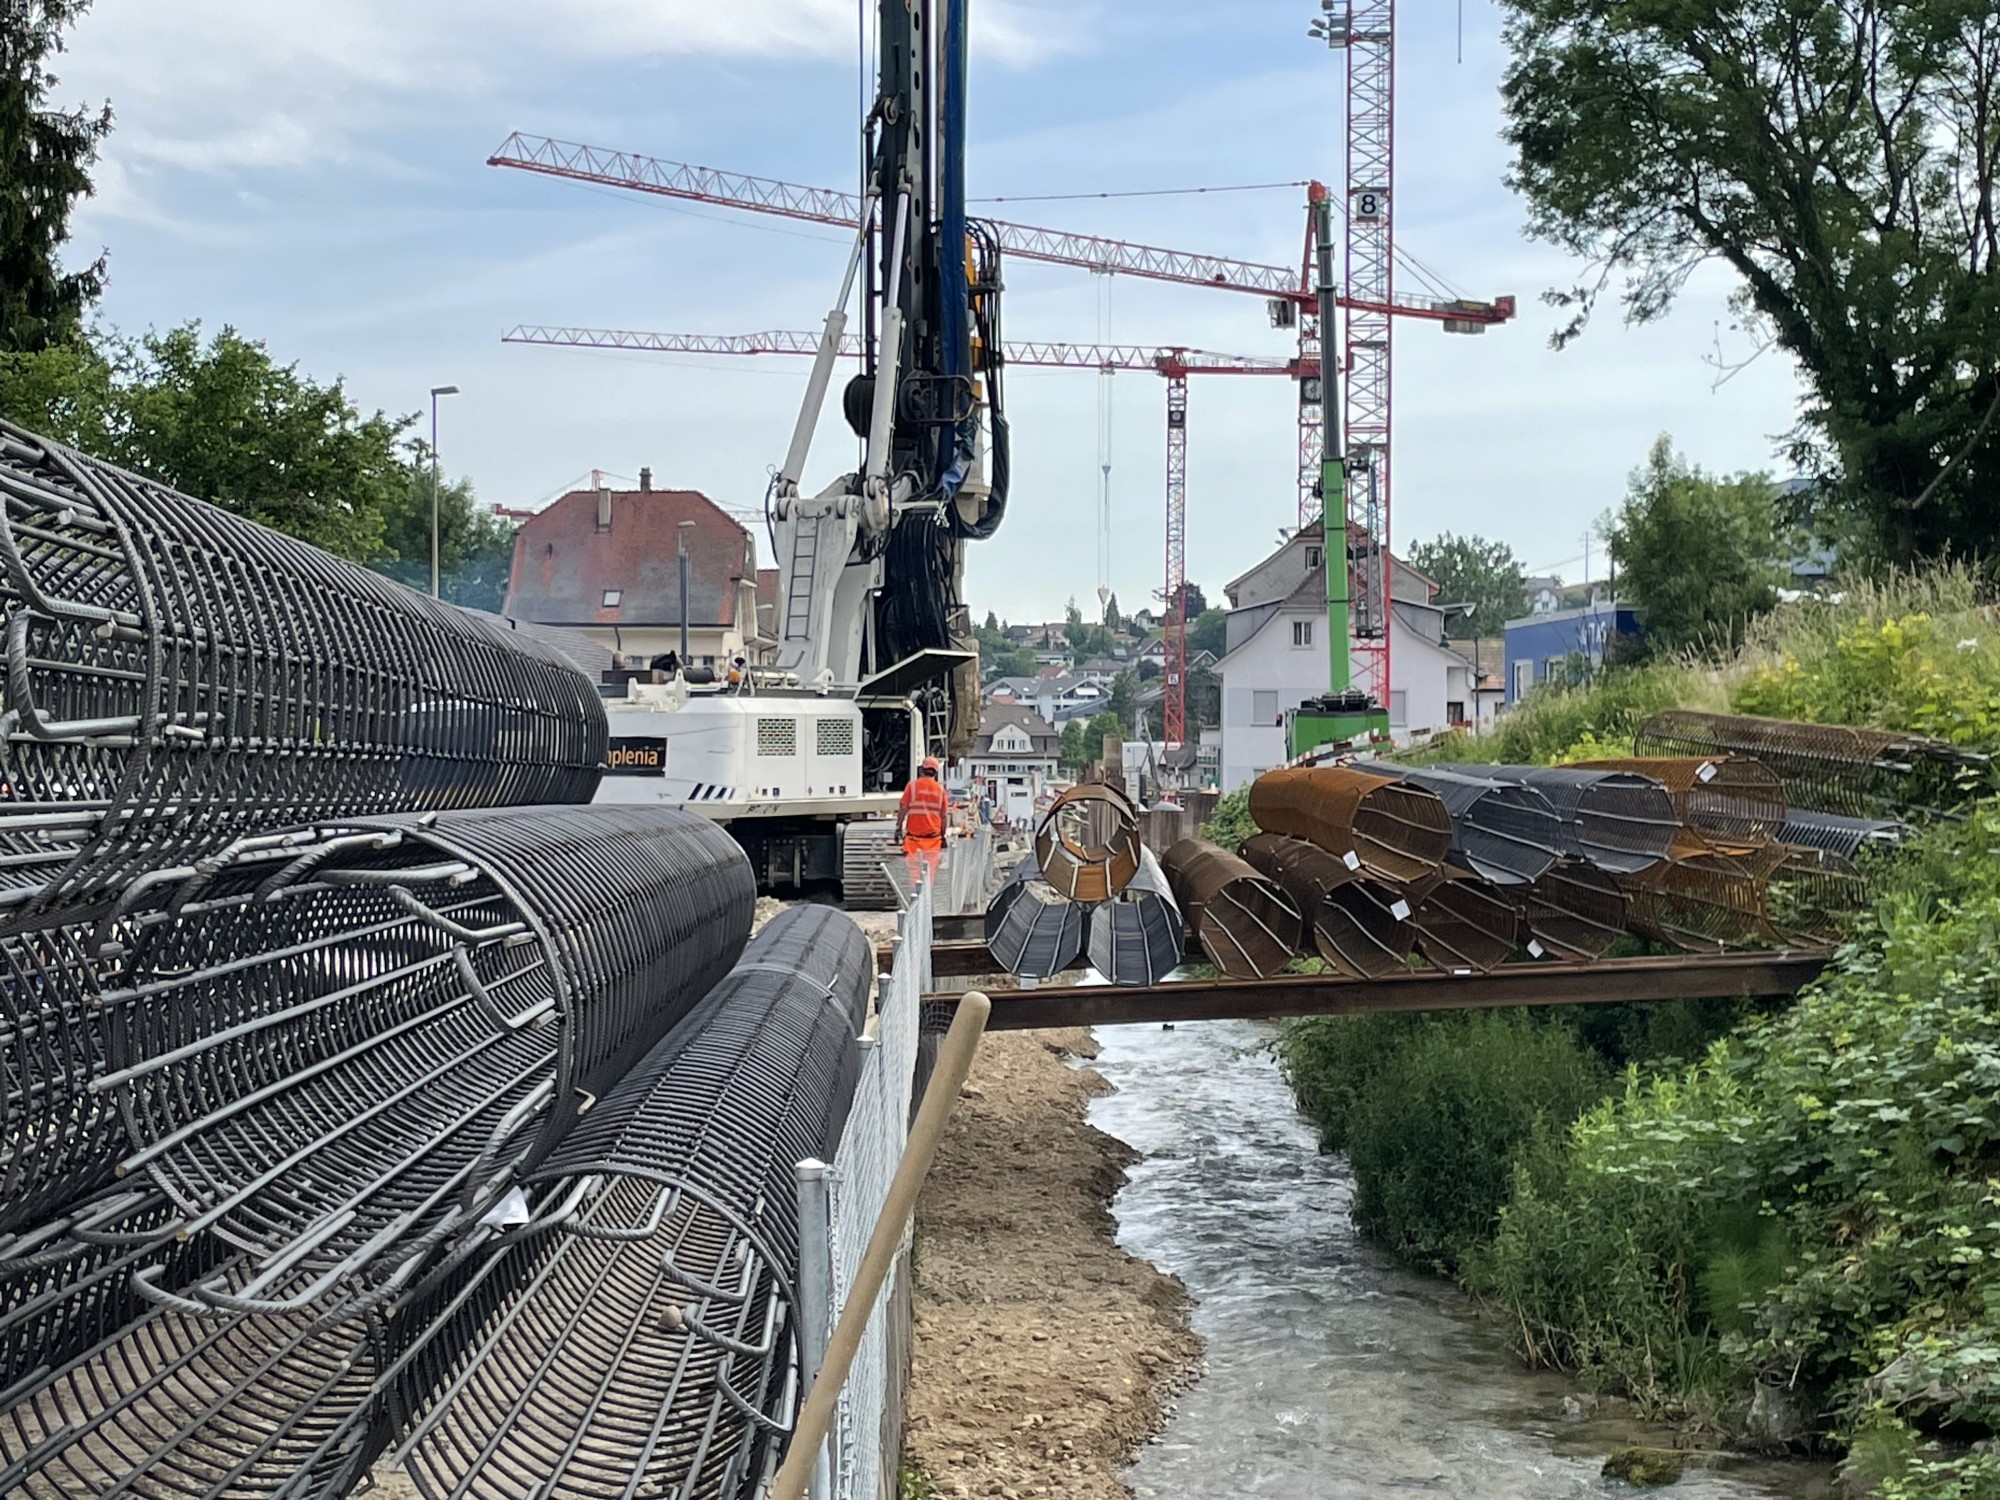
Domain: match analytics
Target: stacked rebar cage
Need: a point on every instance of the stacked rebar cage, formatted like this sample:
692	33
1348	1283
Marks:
327	1017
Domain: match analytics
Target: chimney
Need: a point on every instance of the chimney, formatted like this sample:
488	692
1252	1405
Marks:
645	480
603	507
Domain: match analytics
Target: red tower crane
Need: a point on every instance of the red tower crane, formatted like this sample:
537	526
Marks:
1174	363
1365	28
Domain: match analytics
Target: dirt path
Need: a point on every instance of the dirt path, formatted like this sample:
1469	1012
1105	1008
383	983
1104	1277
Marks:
1045	1355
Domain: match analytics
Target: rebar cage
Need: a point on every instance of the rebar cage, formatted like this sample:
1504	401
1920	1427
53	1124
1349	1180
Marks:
1616	820
646	1343
1087	844
1395	831
336	1049
1245	923
177	676
1140	935
1031	928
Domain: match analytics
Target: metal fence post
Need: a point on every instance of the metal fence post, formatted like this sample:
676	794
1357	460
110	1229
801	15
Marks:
815	1295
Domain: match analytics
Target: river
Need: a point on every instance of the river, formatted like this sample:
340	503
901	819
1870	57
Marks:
1332	1373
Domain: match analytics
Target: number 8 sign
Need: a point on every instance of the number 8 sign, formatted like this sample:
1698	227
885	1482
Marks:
1370	205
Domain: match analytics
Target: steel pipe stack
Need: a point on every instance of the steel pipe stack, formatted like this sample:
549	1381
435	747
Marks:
1360	927
644	1341
178	677
1087	844
1139	936
1245	925
1831	768
1395	831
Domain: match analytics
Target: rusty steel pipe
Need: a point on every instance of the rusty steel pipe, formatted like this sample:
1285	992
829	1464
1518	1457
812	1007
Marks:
1395	831
1246	926
1831	768
1087	844
1619	821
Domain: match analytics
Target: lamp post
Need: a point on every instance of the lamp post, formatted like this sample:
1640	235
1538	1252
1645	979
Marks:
681	537
436	391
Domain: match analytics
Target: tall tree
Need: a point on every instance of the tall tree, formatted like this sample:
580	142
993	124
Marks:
226	423
45	159
1699	554
1472	570
475	547
1843	159
1112	619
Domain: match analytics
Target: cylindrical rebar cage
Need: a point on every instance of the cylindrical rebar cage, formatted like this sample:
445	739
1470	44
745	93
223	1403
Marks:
1616	820
1501	830
1363	930
1831	768
1812	895
336	1048
1467	925
1246	926
1701	898
1729	799
177	676
1395	831
1139	936
1575	912
1847	837
1087	844
652	1349
1031	929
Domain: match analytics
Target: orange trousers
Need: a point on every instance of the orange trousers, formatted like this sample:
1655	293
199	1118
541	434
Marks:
921	857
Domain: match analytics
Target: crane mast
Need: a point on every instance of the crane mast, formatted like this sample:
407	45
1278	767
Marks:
871	568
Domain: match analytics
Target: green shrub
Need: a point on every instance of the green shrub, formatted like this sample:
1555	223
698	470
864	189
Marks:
1432	1129
1329	1060
1589	720
1230	824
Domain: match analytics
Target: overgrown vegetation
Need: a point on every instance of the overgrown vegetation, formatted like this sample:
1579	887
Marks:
1782	1223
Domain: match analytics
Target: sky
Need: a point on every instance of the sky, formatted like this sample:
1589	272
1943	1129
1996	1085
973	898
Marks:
314	176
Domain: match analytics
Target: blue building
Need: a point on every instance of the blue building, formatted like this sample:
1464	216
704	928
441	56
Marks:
1541	646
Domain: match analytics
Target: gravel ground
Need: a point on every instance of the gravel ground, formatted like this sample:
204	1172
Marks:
1045	1355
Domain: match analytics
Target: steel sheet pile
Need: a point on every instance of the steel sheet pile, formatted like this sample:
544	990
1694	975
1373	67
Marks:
331	1027
1092	888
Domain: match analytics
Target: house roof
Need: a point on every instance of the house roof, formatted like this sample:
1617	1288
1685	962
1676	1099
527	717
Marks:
565	565
586	655
997	716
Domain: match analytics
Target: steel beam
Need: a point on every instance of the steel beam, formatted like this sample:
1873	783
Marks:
1675	977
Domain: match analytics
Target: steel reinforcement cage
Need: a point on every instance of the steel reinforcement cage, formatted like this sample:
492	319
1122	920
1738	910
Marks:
336	1050
1832	768
1245	923
1395	831
1619	821
177	677
1140	935
648	1343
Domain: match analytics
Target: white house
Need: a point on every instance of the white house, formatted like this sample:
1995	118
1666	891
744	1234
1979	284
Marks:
1276	657
1013	759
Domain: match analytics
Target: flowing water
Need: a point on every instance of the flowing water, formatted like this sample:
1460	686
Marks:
1332	1373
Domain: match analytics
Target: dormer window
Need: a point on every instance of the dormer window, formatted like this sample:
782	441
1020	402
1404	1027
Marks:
612	598
1313	555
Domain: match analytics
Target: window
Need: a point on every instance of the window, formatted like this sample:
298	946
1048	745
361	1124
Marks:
1524	679
612	596
1302	632
1312	558
1399	706
1454	712
1264	707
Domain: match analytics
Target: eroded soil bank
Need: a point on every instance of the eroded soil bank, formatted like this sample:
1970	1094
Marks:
1045	1355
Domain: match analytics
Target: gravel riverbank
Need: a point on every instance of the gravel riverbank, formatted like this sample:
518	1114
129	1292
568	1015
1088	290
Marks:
1045	1355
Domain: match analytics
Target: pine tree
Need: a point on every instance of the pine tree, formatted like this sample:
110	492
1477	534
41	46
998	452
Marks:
45	157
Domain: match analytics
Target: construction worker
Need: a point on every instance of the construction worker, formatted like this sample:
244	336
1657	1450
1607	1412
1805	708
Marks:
920	822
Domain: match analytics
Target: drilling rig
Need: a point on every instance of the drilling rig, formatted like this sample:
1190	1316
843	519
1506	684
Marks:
876	666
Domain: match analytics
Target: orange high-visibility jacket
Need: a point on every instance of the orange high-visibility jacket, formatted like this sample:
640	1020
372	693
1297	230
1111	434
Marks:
924	807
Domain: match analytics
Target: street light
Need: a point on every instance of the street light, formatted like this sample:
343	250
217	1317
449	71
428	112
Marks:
436	391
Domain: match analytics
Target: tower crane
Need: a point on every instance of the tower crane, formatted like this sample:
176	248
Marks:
1369	300
1173	363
